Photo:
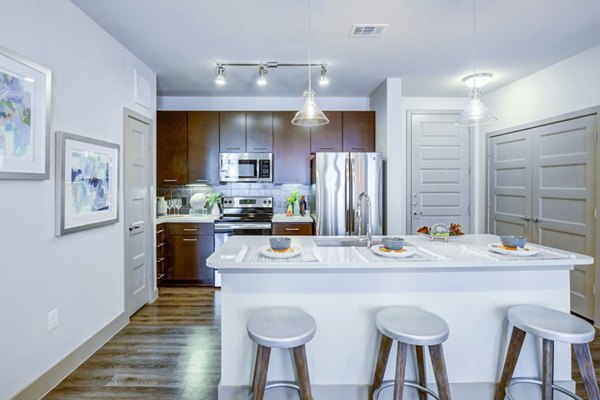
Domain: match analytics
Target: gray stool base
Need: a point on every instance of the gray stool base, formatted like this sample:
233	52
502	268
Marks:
516	381
386	384
277	384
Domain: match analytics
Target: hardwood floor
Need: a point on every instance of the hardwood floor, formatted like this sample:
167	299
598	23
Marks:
171	350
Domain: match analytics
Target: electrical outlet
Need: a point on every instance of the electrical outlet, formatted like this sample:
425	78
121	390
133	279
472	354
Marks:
52	319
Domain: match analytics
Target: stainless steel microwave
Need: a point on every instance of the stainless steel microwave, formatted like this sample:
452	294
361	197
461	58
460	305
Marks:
245	167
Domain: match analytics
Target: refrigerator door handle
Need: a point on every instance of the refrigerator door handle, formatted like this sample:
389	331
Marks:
347	196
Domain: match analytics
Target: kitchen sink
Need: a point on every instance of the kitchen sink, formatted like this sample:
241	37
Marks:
341	242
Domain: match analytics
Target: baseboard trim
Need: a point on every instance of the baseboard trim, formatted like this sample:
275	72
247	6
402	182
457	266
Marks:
45	383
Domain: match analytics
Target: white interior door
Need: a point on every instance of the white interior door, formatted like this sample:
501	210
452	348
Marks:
440	171
564	198
138	242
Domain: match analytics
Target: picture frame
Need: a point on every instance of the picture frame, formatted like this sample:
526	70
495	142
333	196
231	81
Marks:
87	183
25	96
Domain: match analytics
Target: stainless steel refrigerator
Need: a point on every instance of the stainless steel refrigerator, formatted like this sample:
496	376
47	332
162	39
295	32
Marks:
337	181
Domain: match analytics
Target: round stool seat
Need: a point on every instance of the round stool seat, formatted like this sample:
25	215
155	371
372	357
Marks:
551	324
281	327
411	325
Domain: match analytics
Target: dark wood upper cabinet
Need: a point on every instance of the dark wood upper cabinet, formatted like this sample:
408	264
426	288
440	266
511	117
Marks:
259	132
327	137
291	150
203	147
358	128
233	132
171	147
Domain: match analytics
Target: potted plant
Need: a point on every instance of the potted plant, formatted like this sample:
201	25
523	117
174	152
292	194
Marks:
213	199
291	200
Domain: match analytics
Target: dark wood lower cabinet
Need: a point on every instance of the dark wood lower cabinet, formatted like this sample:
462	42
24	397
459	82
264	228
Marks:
189	247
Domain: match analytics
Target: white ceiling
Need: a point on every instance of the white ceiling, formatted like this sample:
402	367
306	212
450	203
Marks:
428	43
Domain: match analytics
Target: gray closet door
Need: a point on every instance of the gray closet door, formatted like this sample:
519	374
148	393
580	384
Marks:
510	183
541	185
564	199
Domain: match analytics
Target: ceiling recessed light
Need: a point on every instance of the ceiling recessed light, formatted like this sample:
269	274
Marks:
367	30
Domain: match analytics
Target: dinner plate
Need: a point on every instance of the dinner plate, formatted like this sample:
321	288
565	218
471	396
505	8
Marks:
405	252
267	251
526	251
439	237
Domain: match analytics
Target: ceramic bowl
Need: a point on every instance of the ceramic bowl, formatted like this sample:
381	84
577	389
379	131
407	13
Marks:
513	241
393	243
438	229
280	243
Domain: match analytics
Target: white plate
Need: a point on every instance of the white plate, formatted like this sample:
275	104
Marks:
408	251
439	237
267	251
527	251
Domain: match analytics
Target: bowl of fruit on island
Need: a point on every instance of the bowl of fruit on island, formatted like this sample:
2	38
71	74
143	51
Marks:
441	231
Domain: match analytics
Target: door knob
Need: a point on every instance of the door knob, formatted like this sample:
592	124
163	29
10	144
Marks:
536	220
527	218
417	213
133	227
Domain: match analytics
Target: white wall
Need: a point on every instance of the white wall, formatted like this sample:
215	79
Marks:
260	103
80	274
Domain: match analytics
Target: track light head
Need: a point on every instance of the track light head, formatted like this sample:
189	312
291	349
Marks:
262	76
323	80
220	78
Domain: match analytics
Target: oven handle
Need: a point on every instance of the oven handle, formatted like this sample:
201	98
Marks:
225	227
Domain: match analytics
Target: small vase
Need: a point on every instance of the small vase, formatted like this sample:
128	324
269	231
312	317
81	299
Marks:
161	206
290	210
296	208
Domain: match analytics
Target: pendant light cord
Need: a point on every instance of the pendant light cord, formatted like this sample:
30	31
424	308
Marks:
309	45
474	48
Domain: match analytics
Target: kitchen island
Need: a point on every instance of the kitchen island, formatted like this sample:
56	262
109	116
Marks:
461	282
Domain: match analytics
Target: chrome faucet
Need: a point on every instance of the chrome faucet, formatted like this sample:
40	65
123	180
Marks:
359	218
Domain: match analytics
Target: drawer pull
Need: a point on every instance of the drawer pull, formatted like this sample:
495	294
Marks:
190	240
169	180
202	180
292	229
260	148
233	148
325	148
190	229
358	148
160	260
159	245
159	232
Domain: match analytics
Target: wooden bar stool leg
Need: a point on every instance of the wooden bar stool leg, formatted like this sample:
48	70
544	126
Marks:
382	359
302	372
514	348
439	370
256	368
401	357
547	369
263	368
421	371
586	367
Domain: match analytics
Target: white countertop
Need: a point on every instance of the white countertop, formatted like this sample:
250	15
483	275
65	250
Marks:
457	254
187	218
296	219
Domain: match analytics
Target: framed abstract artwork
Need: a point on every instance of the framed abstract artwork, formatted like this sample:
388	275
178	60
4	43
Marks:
87	183
24	118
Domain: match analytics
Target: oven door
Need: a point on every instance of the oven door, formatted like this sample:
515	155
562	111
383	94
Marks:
241	229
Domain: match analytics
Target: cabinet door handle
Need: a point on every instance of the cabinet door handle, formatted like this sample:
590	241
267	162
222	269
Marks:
202	180
233	148
159	232
190	240
292	229
358	148
260	148
325	148
160	260
190	229
169	180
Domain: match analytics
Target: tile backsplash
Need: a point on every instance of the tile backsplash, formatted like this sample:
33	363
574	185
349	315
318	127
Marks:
279	192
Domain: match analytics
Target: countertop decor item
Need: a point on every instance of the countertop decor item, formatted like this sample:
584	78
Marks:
513	241
161	205
198	201
290	252
527	251
404	252
280	243
393	243
87	183
24	118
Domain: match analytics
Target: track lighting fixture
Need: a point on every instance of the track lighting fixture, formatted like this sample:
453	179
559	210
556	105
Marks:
220	79
262	75
323	80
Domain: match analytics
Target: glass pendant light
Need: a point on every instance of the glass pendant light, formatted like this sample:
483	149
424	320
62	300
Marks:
309	114
475	113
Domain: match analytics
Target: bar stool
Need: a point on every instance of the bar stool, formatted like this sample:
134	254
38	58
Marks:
411	326
282	328
550	325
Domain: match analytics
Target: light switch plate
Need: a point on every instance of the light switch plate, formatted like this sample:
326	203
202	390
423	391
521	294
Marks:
52	319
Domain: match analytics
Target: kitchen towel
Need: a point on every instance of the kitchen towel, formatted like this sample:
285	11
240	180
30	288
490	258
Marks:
253	255
420	255
544	254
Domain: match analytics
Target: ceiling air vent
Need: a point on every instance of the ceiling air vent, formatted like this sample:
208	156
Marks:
367	30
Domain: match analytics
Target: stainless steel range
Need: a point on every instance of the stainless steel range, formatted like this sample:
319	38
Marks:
243	216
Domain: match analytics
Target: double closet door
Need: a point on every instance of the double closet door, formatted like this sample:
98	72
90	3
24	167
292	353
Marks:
542	186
